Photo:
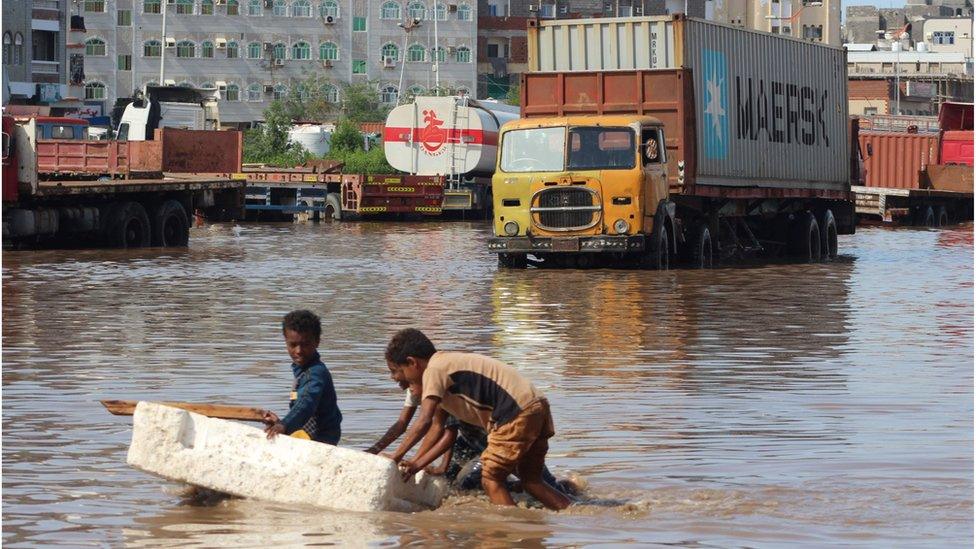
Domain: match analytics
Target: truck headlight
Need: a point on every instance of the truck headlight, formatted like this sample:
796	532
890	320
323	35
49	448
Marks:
621	226
511	228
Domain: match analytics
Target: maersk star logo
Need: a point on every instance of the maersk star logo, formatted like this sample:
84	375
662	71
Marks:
716	120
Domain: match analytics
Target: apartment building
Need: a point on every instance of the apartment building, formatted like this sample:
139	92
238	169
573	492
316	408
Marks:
255	50
34	54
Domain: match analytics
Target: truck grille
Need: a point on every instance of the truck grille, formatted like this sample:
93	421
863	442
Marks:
566	209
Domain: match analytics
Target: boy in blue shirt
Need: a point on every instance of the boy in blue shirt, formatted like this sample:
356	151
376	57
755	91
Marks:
313	407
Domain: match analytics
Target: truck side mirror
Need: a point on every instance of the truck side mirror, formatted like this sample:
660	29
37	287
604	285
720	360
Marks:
870	149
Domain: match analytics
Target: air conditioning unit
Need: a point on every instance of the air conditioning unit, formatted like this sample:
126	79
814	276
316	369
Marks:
170	2
170	42
268	88
451	50
389	62
221	43
452	8
267	45
279	62
327	64
329	20
268	4
220	2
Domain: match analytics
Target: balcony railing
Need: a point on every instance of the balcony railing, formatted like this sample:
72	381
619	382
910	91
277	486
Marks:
47	4
45	67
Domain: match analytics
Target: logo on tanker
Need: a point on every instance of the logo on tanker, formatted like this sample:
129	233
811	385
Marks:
432	135
716	119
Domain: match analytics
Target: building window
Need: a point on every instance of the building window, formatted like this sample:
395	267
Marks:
416	10
497	50
944	37
279	8
359	24
301	51
279	51
233	50
186	48
125	62
95	6
254	7
233	7
388	94
94	46
870	111
329	8
152	48
390	10
207	49
206	7
330	93
254	92
280	91
414	91
440	12
328	51
123	18
301	8
233	93
439	54
463	55
8	49
548	11
18	49
415	53
493	10
151	6
390	51
254	50
184	7
464	13
94	90
359	66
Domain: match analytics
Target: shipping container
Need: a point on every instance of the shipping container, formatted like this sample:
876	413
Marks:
768	111
897	159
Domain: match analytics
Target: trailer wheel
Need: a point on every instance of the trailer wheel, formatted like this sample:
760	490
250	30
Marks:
828	235
941	217
925	217
806	238
170	225
702	256
333	207
512	261
128	226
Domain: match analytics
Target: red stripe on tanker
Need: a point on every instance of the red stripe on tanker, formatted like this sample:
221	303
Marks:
445	135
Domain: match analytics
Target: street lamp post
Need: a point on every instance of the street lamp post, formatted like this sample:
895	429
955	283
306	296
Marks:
407	27
162	53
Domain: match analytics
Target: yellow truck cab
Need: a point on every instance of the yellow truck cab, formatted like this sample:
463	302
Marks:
569	189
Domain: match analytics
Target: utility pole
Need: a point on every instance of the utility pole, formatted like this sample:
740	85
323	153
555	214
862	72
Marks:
437	74
407	27
162	53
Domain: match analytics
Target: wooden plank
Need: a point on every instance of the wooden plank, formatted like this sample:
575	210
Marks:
222	411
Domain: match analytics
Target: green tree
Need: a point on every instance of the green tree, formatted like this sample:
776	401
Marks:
346	137
361	103
513	95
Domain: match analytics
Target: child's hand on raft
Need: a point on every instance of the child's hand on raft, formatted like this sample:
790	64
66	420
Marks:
408	470
274	429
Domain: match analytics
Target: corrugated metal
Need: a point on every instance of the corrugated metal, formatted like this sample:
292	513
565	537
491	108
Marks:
791	131
897	158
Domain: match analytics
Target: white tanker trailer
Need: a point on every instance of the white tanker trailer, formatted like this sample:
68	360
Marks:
454	137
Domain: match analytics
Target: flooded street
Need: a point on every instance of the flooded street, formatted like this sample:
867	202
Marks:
781	404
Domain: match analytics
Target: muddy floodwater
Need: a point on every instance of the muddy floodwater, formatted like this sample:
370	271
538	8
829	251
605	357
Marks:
763	406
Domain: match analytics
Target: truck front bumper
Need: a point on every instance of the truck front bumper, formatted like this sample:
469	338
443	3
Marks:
570	244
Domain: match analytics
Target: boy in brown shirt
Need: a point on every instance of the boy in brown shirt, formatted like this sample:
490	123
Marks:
485	392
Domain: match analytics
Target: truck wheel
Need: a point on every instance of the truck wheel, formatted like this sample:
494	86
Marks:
128	226
828	235
806	238
658	256
333	207
701	249
170	225
941	216
925	217
512	261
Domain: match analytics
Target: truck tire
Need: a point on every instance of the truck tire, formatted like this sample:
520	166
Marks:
512	261
805	238
702	254
658	255
333	207
128	226
941	216
828	235
925	217
170	225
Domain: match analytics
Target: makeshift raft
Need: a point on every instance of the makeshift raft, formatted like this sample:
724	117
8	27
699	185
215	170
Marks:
239	460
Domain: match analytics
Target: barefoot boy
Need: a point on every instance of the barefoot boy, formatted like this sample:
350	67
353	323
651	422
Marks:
313	407
481	391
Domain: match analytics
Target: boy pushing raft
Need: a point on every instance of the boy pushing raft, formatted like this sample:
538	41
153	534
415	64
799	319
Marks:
481	391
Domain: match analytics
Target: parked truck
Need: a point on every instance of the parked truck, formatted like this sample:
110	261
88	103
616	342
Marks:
453	137
650	139
155	107
920	169
59	187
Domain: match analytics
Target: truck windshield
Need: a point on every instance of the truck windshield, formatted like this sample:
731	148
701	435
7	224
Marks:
601	148
533	150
